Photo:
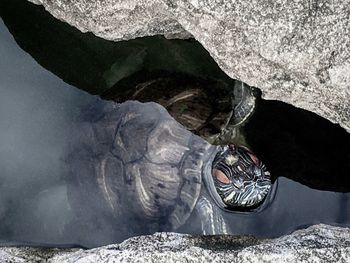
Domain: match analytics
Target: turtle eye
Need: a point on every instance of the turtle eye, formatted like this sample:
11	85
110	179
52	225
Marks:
221	177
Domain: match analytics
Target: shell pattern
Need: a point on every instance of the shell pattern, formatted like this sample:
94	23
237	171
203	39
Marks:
141	162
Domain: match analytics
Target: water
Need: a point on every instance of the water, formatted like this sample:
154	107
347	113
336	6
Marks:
292	206
36	113
39	113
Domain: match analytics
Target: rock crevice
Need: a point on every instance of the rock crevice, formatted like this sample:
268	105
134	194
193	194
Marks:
296	52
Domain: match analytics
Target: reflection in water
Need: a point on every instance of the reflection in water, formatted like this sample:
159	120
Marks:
66	179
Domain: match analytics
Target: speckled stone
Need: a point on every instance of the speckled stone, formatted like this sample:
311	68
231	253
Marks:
294	51
319	243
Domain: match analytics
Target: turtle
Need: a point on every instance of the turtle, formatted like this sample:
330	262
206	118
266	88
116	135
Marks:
210	108
133	169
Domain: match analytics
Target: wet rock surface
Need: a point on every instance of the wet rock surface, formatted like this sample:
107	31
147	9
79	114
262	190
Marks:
319	243
296	52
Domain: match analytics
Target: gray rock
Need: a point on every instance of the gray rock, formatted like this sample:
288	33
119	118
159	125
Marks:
117	20
295	51
319	243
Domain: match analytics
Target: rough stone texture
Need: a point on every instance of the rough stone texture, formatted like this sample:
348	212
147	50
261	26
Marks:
117	19
319	243
295	51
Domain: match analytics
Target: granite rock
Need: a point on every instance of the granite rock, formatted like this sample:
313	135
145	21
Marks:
294	51
319	243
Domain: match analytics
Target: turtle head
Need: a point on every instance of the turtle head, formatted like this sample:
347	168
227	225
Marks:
240	178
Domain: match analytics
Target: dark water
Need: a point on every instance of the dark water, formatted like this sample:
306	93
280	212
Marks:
36	112
307	155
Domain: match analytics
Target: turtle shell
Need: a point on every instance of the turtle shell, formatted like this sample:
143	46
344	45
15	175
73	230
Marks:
203	106
211	109
140	164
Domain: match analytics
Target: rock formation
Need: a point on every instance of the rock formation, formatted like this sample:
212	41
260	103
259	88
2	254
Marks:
294	51
320	243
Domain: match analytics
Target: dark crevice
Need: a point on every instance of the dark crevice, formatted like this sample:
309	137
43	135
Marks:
300	145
